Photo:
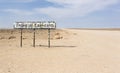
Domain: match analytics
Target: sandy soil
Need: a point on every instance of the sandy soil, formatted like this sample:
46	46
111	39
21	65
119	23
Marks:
72	51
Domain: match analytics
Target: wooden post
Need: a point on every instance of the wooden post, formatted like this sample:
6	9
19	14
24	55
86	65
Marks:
34	38
48	37
21	38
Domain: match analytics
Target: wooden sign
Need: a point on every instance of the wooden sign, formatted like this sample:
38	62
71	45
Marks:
35	25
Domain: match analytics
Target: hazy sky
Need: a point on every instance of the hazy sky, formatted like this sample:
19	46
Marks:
67	13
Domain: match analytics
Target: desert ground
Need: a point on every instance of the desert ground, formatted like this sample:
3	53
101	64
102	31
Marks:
72	51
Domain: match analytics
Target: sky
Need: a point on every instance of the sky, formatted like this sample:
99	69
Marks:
66	13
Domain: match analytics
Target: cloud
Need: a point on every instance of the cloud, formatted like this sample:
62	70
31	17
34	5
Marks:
74	8
116	10
23	1
66	8
18	12
16	1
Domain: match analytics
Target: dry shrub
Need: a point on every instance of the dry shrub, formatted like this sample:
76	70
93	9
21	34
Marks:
12	37
2	37
57	33
24	38
58	36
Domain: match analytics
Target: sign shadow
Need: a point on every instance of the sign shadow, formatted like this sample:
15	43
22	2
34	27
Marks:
55	46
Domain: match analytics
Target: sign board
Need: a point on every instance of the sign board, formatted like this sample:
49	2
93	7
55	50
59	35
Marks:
35	25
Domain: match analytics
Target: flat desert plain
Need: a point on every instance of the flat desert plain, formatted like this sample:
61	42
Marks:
72	51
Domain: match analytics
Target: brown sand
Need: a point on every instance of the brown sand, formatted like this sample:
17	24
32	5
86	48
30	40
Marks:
72	51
